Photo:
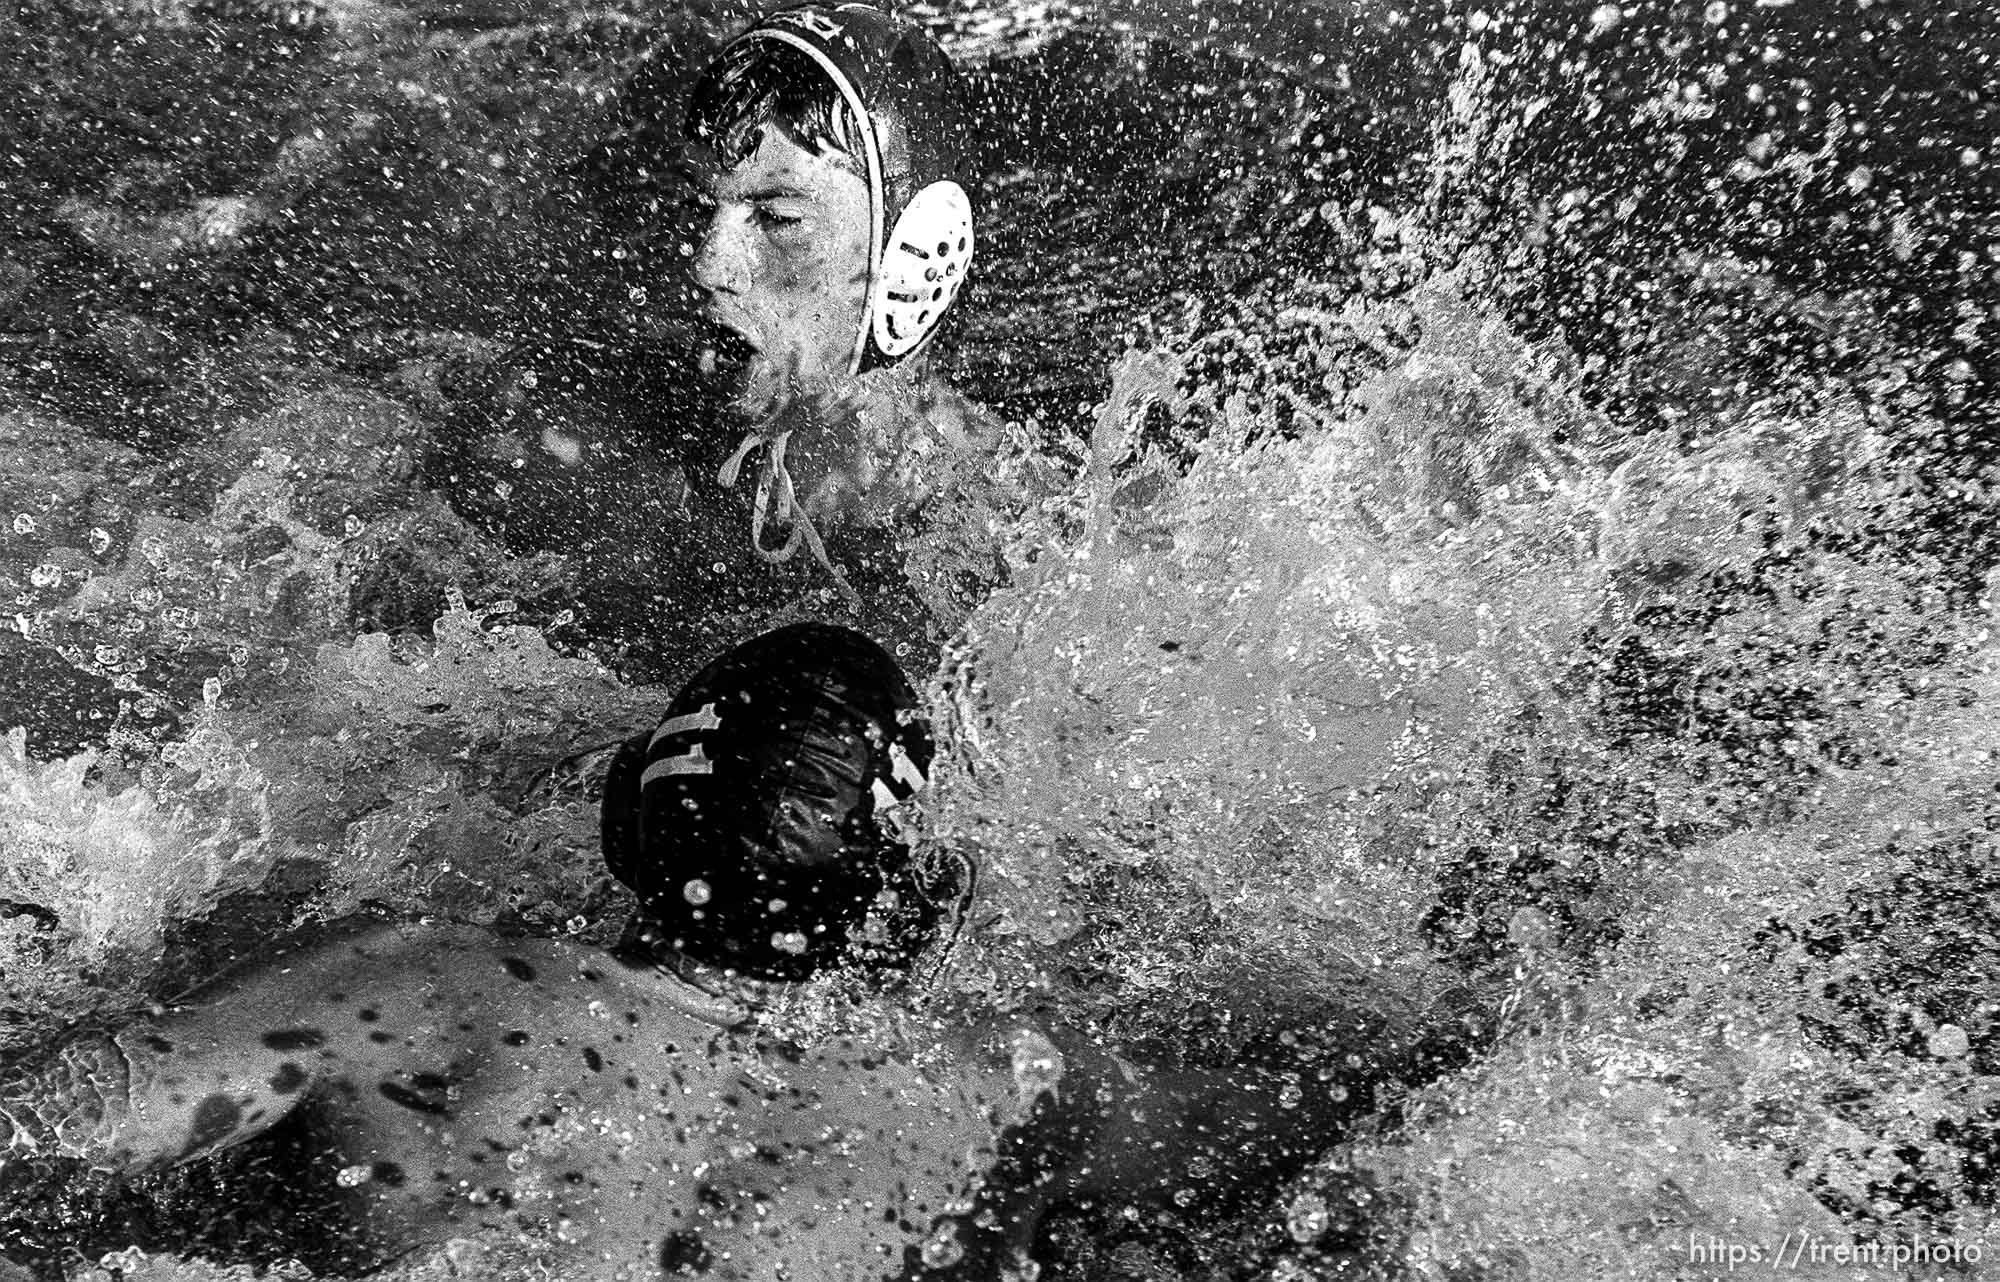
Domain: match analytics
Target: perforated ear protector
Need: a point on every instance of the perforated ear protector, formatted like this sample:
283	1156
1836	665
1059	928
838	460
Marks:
916	272
923	265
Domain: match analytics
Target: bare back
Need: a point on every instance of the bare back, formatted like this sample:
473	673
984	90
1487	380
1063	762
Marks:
616	1118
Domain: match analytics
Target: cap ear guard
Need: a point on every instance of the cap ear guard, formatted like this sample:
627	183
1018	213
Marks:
924	264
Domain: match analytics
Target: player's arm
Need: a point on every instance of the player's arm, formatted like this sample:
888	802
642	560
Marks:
190	1081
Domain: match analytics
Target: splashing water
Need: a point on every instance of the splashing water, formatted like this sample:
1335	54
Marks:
1238	700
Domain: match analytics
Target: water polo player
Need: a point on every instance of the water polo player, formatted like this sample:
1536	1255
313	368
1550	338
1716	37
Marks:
621	1110
825	145
625	1112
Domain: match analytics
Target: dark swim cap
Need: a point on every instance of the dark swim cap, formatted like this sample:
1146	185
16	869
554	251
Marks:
749	823
906	93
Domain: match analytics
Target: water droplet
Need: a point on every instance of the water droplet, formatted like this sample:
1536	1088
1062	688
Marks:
100	540
1949	1041
942	1248
1530	928
24	524
211	691
1307	1217
46	575
1020	1269
1037	1064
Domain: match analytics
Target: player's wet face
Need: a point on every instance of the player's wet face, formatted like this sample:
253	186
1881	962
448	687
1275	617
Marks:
783	262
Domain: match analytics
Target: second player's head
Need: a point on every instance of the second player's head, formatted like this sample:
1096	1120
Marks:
753	823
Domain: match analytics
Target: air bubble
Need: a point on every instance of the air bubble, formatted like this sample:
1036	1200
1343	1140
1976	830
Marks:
697	892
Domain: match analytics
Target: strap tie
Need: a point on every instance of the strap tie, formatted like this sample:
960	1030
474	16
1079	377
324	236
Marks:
774	478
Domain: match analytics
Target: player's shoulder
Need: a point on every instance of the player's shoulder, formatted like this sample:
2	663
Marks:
439	956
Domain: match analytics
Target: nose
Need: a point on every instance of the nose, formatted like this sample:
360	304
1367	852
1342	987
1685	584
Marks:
721	261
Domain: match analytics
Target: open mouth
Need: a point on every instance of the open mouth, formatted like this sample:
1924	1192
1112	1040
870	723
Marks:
725	352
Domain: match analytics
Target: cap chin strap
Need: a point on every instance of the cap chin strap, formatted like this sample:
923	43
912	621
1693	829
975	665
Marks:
774	480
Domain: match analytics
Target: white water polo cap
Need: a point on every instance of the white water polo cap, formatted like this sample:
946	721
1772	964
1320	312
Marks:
902	90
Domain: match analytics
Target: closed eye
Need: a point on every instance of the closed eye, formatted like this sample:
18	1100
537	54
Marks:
774	217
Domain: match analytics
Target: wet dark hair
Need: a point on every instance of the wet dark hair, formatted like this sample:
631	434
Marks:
759	84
